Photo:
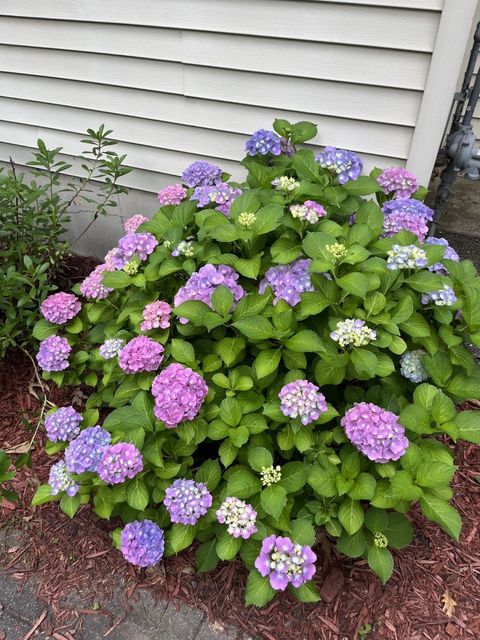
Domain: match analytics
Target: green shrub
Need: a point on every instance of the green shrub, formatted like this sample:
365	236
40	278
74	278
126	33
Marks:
247	347
34	215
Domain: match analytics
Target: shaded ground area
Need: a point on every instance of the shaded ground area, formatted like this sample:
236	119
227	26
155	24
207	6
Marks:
86	591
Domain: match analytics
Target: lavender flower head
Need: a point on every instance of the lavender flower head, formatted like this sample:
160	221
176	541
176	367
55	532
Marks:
220	194
140	354
449	254
61	307
309	211
53	354
139	245
119	462
288	281
63	424
398	181
142	543
111	348
406	257
93	287
173	194
156	315
345	164
60	480
263	142
353	332
285	562
411	366
302	399
84	453
239	516
201	173
179	393
443	298
406	213
375	432
186	501
202	284
132	224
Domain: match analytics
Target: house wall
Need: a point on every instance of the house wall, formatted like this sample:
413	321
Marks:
180	80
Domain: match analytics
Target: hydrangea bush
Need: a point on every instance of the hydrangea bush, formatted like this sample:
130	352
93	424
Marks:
294	375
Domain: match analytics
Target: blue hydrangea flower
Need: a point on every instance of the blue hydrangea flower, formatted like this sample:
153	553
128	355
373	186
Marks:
142	543
84	453
449	254
201	173
60	480
443	298
111	348
411	366
346	165
63	424
406	257
288	281
263	142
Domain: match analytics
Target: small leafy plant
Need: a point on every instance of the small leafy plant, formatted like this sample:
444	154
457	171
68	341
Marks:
273	361
34	215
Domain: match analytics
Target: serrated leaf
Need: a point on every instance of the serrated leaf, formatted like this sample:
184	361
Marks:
206	556
442	513
351	515
258	591
381	562
273	500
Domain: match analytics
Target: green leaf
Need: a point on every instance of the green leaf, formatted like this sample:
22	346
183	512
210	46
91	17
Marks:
467	387
351	515
307	592
376	520
362	186
259	458
209	473
268	219
137	494
424	395
206	556
230	411
402	487
425	281
381	562
267	362
227	452
243	484
294	476
416	326
416	418
103	503
439	367
352	546
399	531
303	532
182	351
69	504
312	303
285	250
222	300
439	511
434	474
355	283
403	311
301	132
364	361
227	546
255	328
250	305
273	499
468	423
443	409
258	591
305	341
42	495
323	481
44	329
330	371
179	537
305	165
364	487
116	279
199	314
248	268
229	349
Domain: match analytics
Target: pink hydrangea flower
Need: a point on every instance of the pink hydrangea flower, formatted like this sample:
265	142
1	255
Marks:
179	393
61	307
173	194
93	287
399	181
156	315
140	354
132	224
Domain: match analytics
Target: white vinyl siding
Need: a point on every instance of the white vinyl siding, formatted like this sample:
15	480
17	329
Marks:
180	80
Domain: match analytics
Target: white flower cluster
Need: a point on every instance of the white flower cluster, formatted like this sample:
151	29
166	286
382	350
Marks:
353	332
271	475
284	183
247	219
337	250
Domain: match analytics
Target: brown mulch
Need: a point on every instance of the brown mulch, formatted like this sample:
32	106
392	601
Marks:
63	555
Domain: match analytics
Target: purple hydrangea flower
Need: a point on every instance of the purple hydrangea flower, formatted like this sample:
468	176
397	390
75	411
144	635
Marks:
443	298
285	562
179	393
142	543
202	284
449	254
288	281
60	480
93	287
353	332
345	164
239	516
132	224
263	142
173	194
61	307
53	354
398	181
156	315
375	432
406	257
220	194
302	399
140	354
84	453
63	424
201	173
186	501
111	348
139	245
406	213
119	462
411	366
309	211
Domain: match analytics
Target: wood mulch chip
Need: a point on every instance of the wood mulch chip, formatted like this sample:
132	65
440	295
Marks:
63	556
